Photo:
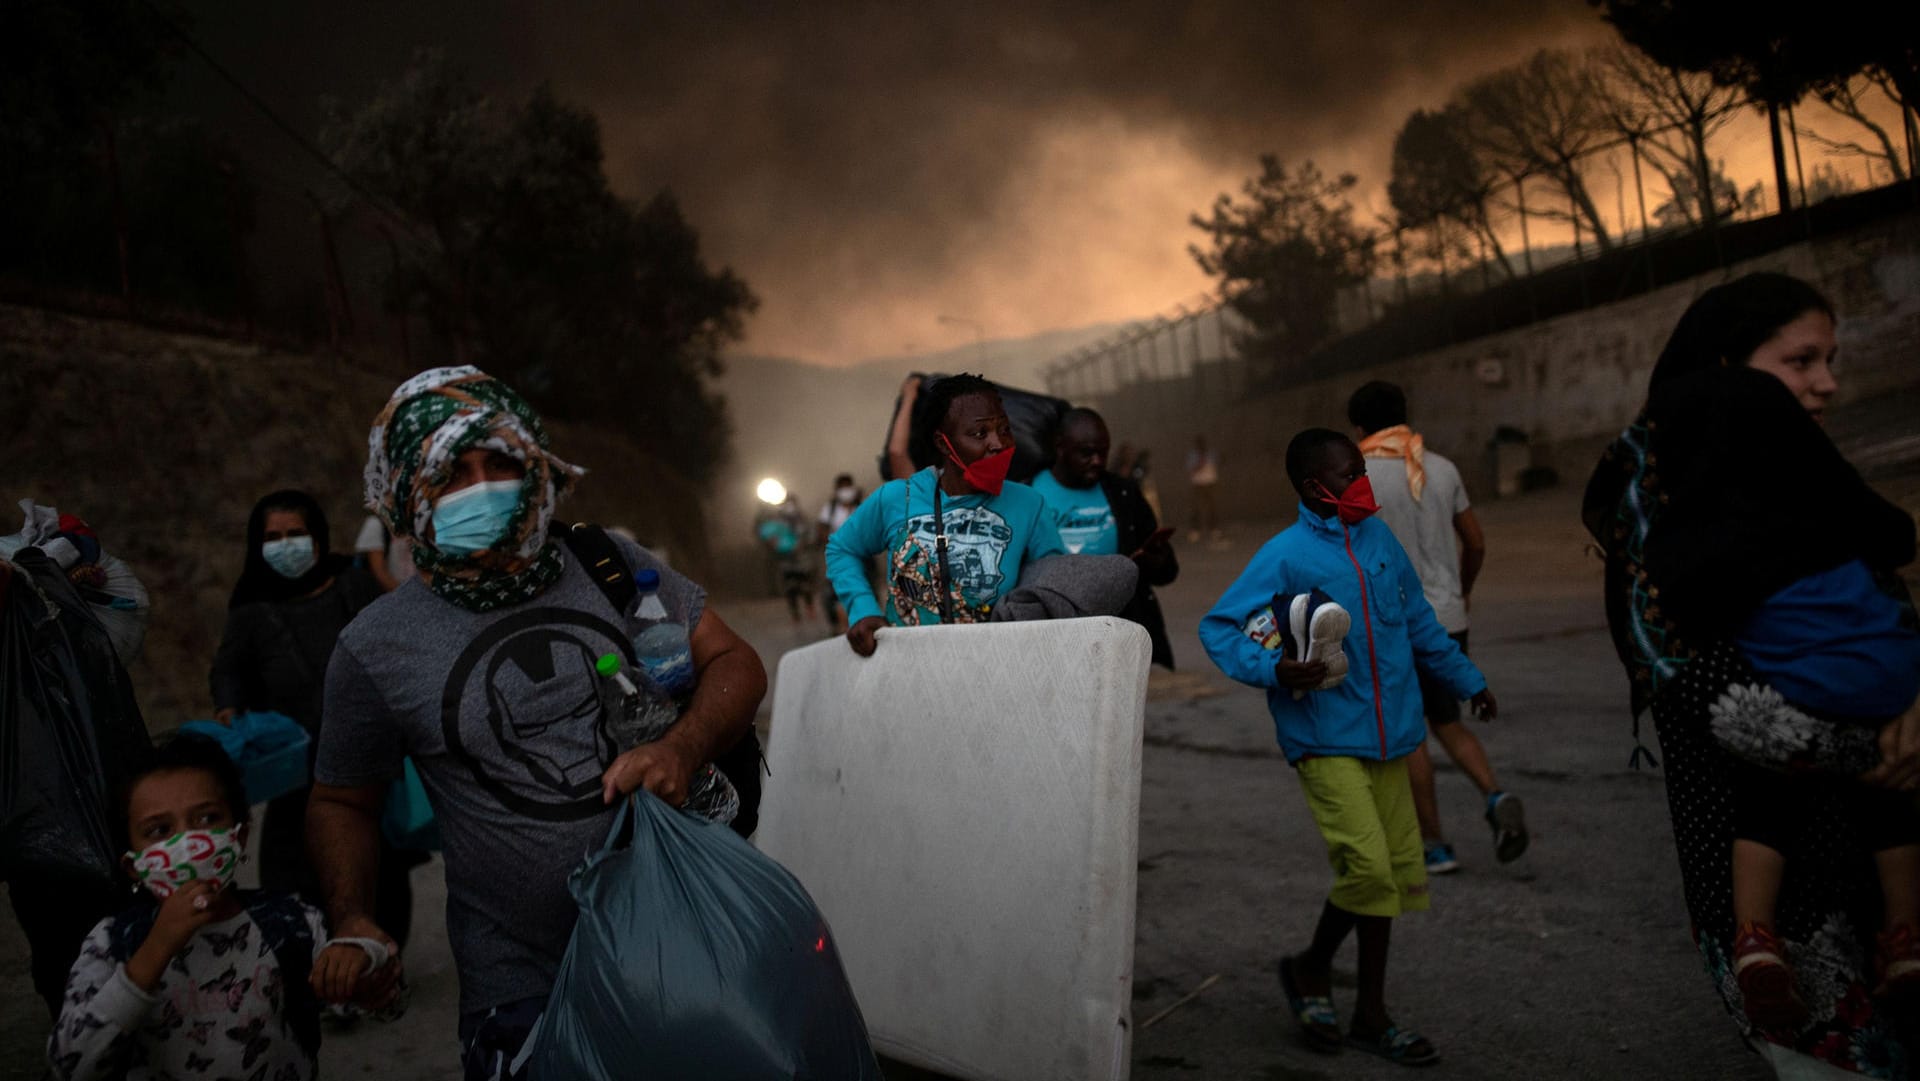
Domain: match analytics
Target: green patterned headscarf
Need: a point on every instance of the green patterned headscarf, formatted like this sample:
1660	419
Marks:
431	420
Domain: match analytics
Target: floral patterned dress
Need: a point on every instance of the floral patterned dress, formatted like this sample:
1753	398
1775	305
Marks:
1714	716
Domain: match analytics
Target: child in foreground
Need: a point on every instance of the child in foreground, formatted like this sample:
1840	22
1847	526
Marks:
199	978
1833	644
1348	739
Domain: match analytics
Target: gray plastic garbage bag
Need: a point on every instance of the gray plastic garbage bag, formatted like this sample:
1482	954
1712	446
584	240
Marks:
696	957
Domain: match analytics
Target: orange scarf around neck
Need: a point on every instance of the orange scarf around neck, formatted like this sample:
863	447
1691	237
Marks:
1402	442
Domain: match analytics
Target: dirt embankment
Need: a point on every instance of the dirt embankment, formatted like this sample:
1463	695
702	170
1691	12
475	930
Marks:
163	442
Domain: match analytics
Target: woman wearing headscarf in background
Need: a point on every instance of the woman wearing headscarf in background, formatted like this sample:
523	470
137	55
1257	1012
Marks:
1722	494
294	597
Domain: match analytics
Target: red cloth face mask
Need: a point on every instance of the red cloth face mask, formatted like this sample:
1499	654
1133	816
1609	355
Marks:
989	473
1355	505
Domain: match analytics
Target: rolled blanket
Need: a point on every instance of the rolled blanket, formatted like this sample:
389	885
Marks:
1068	587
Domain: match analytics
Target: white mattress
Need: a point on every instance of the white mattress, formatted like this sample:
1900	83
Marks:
964	807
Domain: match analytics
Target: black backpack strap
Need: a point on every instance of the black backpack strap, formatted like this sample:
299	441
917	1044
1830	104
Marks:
597	552
608	568
129	928
282	920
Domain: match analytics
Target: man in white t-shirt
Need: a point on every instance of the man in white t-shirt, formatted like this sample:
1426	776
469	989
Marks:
1423	501
389	558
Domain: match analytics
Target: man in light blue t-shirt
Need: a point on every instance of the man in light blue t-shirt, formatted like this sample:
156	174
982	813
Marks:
1100	513
1083	515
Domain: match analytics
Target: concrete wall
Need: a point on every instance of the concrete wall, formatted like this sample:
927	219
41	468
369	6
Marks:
1569	383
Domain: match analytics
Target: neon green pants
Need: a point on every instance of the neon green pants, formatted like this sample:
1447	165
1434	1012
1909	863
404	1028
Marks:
1365	811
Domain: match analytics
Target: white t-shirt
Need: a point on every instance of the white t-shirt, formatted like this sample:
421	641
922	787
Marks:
833	515
1425	529
373	538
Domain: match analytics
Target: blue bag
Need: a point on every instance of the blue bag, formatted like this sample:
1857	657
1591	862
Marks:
696	956
780	535
408	821
270	749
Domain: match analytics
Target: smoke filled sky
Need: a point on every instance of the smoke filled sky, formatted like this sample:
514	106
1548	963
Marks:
869	169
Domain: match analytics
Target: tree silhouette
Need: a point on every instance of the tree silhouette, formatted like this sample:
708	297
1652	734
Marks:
1540	118
1284	254
1776	53
1667	115
1438	177
524	260
1843	97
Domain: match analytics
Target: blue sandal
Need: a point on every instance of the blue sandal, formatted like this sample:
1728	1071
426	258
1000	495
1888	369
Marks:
1401	1045
1318	1020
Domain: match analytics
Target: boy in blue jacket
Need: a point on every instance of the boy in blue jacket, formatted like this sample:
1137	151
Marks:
1348	742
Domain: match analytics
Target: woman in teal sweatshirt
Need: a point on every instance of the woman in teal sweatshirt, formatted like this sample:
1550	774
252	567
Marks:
955	535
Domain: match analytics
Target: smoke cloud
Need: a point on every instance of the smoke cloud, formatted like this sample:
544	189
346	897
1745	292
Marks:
871	168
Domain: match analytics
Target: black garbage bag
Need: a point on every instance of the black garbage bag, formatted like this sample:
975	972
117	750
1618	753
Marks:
70	731
1035	417
696	957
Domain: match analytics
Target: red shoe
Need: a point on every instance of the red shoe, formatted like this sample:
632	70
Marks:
1898	962
1766	983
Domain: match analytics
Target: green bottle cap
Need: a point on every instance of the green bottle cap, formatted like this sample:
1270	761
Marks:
608	664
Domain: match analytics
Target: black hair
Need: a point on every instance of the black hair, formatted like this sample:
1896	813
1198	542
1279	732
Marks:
1728	322
844	478
1079	413
930	412
1376	406
186	751
1308	452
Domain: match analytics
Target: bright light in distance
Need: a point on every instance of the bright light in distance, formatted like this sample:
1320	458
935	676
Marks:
772	492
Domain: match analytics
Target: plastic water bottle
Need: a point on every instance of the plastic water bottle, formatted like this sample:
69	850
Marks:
633	716
625	724
609	668
661	646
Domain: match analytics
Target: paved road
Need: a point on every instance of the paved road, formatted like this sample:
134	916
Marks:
1571	963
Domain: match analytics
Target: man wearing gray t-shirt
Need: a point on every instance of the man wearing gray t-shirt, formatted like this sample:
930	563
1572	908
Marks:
1423	501
482	670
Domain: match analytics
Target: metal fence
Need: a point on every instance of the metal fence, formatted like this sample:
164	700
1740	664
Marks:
1554	265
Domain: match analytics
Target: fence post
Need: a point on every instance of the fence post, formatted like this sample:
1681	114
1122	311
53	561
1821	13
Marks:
1579	255
406	338
242	287
1806	206
119	208
339	314
1526	245
1646	237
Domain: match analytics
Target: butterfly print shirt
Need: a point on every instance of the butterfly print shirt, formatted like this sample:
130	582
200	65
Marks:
217	1013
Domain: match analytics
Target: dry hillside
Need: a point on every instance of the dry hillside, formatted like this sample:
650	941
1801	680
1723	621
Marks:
163	442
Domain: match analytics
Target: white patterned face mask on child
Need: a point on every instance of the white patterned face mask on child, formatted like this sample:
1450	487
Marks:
189	856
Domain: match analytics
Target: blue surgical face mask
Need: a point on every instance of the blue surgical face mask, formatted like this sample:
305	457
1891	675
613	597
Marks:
474	519
290	557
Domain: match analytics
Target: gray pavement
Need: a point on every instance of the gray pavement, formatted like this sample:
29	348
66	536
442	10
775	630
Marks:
1573	962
